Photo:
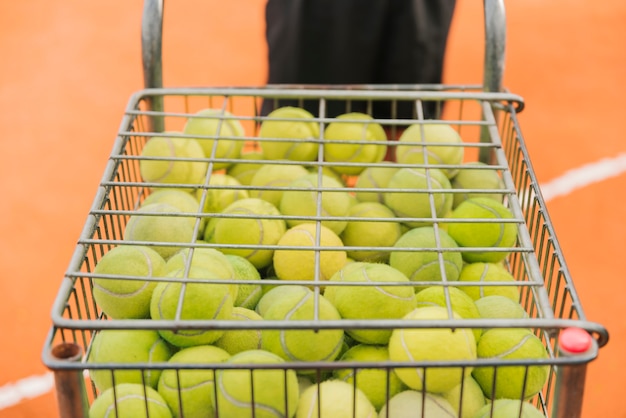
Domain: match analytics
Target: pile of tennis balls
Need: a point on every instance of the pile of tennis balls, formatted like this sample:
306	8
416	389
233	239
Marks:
310	224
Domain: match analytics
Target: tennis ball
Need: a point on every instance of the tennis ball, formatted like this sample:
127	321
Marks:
189	392
277	293
477	176
249	294
130	400
378	384
459	302
183	200
373	177
380	232
245	168
221	192
255	391
200	301
210	259
466	398
417	255
490	274
159	223
499	307
298	136
299	263
473	232
505	408
127	297
253	224
302	344
430	143
237	340
334	399
165	161
219	134
511	382
272	179
346	140
126	347
303	198
432	344
411	403
327	171
414	190
383	302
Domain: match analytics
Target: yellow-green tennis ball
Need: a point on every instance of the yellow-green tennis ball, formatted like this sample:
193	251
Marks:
183	200
127	297
466	398
245	168
210	259
219	134
383	302
373	177
299	263
127	347
334	399
302	201
436	344
255	391
477	176
347	140
221	192
473	232
159	223
411	403
511	382
284	139
200	301
490	274
129	400
271	180
378	384
414	188
440	142
499	307
254	223
302	344
164	161
506	408
237	340
328	171
190	392
249	294
460	302
380	232
277	293
417	255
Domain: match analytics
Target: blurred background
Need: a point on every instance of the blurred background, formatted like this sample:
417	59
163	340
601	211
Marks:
67	69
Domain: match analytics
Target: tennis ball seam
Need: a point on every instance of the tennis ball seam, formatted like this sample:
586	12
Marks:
166	385
496	215
513	348
110	411
384	292
426	265
170	166
246	404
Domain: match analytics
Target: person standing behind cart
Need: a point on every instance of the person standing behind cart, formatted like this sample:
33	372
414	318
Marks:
346	42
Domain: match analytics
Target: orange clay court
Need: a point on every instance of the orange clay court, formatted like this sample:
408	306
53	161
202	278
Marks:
68	69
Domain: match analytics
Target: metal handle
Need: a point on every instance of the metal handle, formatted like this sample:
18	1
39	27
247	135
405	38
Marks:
151	54
495	39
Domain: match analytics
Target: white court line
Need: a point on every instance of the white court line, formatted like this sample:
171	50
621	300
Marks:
30	387
583	176
33	386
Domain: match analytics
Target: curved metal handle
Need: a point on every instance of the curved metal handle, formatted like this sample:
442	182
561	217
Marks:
495	40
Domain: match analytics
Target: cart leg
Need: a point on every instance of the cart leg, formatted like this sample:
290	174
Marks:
70	385
570	378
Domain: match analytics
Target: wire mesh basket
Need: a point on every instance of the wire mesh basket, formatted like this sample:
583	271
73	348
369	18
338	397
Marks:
488	124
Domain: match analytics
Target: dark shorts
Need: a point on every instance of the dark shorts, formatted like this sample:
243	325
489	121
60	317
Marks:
348	42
